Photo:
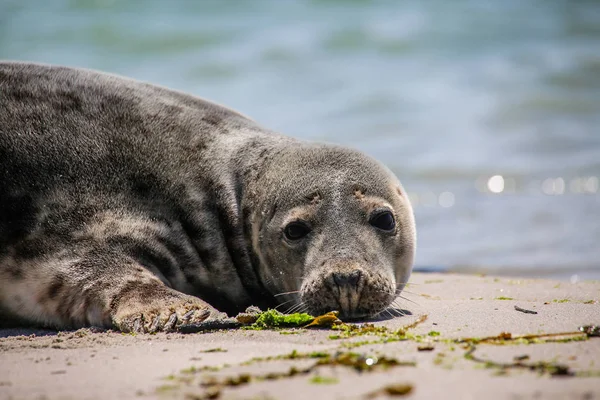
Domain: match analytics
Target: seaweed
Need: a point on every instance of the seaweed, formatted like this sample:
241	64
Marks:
358	361
213	386
210	393
326	320
590	330
255	319
583	333
350	330
290	356
361	362
543	367
384	334
272	319
323	380
215	350
190	370
166	388
420	320
399	389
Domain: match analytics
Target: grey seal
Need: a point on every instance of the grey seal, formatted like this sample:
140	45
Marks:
136	207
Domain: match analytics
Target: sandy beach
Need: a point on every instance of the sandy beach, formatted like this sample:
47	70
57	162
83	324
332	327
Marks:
441	351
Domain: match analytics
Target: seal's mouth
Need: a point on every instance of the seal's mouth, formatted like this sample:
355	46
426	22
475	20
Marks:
356	294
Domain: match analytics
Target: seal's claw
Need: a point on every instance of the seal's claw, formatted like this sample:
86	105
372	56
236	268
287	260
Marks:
162	314
170	323
205	314
137	325
188	315
155	325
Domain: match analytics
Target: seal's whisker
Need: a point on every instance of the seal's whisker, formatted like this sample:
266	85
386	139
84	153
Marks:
401	286
304	309
410	284
386	312
396	303
399	313
295	307
284	303
291	309
396	307
382	313
284	293
404	298
406	291
403	290
399	293
391	309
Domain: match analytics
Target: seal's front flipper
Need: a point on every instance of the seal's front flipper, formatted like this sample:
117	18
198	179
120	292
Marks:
146	309
102	288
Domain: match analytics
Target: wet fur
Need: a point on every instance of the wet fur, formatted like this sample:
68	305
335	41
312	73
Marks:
120	199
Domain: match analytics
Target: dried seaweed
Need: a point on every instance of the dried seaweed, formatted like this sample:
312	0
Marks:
543	367
401	389
325	321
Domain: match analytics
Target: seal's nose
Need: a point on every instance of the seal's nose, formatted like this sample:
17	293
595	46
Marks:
347	278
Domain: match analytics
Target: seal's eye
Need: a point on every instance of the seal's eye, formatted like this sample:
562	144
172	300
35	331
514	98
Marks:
383	220
296	230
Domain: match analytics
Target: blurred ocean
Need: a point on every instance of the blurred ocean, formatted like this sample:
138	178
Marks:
489	112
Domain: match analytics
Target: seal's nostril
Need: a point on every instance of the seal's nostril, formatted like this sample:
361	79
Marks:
355	277
347	279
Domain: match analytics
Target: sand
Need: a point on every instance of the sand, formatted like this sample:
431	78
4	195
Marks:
92	365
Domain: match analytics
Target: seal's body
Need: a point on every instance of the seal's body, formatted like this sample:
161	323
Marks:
128	205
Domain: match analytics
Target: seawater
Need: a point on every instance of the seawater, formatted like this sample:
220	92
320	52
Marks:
489	112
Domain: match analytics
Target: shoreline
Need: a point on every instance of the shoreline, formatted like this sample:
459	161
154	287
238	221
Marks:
430	358
560	273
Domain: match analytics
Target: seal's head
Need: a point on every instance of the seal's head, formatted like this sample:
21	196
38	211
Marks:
334	228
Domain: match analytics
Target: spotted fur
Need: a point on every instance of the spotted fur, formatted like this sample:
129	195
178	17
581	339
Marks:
128	205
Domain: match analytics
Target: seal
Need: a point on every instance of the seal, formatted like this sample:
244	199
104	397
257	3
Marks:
136	207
